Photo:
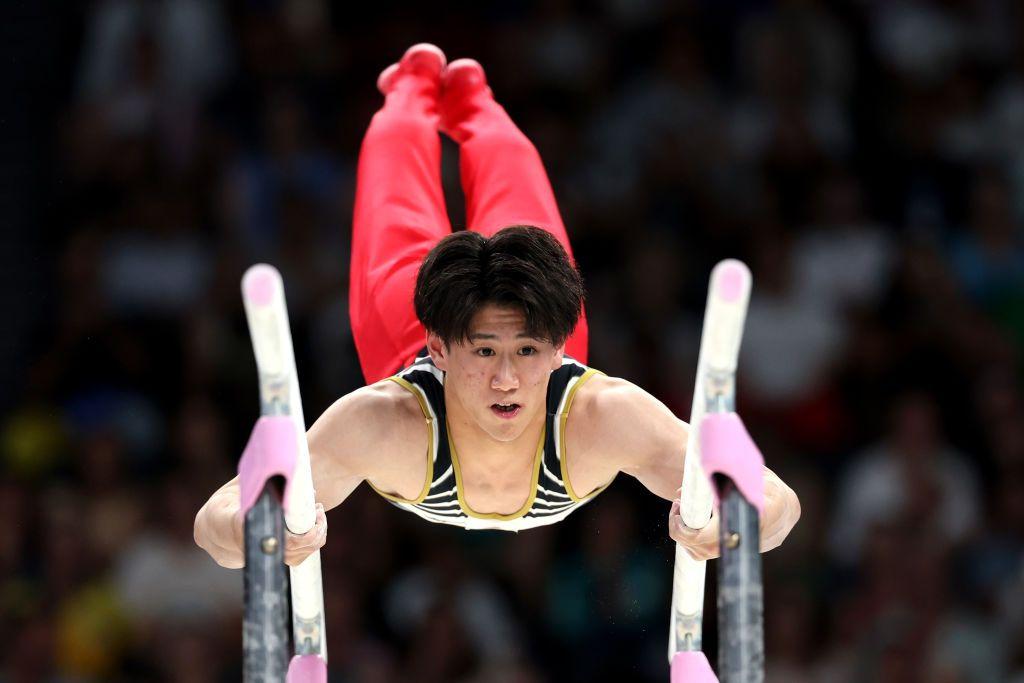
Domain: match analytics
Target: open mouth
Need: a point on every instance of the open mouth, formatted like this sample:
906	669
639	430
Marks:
506	410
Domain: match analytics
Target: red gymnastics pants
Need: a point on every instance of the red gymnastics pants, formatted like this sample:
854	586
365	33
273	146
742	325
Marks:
400	213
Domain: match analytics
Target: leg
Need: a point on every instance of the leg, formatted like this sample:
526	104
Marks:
399	213
503	176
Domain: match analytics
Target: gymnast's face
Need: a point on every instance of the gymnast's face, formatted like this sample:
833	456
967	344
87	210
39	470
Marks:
498	378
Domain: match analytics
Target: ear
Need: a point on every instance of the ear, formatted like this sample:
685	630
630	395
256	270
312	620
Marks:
438	351
556	360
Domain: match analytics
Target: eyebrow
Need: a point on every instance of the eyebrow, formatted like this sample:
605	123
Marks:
479	335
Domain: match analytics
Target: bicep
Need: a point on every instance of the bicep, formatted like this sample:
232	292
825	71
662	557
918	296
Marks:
662	478
660	469
649	440
332	481
337	456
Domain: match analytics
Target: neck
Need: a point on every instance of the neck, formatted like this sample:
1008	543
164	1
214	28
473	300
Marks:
469	438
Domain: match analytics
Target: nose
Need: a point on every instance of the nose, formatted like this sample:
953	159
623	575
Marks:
505	378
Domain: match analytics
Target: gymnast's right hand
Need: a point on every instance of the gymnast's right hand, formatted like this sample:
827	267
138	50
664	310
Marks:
297	547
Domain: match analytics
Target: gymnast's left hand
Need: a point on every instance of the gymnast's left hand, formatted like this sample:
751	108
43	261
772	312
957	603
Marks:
781	512
701	544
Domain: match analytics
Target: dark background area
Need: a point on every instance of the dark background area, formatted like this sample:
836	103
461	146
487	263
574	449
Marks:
864	157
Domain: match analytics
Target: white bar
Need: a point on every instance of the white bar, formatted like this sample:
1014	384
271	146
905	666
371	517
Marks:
724	316
267	314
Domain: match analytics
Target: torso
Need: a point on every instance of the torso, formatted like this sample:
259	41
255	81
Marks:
553	475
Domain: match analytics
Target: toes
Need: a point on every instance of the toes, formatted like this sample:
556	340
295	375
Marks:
425	59
386	78
422	59
464	73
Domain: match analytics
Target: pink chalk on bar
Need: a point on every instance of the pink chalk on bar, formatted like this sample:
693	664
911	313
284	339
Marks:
271	451
732	279
307	669
259	284
726	448
692	667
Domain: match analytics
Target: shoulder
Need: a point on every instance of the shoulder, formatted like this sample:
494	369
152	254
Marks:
377	405
602	398
382	417
615	415
392	401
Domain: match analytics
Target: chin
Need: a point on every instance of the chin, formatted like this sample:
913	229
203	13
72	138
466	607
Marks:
503	432
510	433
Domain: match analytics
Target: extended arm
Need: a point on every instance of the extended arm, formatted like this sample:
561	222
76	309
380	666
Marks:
338	451
649	443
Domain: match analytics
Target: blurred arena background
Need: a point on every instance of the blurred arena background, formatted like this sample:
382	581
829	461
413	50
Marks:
865	157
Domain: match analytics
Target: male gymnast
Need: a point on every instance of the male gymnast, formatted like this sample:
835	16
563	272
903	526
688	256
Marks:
497	423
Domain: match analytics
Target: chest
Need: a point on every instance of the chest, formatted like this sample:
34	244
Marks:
564	464
537	482
508	490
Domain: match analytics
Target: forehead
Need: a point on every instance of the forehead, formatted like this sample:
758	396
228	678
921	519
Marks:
500	320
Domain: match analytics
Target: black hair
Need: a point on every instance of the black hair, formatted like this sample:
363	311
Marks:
520	266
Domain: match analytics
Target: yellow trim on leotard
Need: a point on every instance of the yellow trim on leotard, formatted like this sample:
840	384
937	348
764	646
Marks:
411	388
562	419
495	515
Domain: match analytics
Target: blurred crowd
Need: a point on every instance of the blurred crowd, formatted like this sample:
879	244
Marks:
865	157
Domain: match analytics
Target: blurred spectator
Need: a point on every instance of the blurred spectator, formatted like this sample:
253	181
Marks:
267	185
989	260
184	41
843	260
147	66
157	262
920	40
912	475
796	68
460	616
163	578
793	343
604	596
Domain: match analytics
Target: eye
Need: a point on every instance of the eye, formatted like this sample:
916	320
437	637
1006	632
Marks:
484	352
527	351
